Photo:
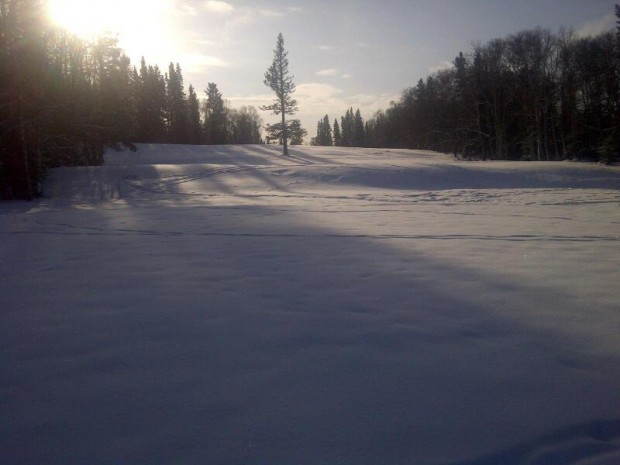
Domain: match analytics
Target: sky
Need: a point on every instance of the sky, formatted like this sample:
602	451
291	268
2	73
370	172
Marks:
342	54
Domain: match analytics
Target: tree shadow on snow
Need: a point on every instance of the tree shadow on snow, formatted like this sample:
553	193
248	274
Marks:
256	335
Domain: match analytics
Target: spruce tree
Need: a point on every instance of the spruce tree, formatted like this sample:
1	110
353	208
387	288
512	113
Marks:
278	79
215	116
177	105
337	135
359	134
193	108
347	128
327	139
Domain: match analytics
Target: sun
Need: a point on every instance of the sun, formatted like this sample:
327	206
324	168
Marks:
87	18
140	25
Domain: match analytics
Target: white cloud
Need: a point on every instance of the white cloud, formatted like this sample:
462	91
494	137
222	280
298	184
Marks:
217	6
198	61
270	13
441	66
326	48
346	76
327	72
318	99
186	10
596	27
317	90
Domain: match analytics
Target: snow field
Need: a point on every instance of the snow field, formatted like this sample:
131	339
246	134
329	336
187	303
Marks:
226	305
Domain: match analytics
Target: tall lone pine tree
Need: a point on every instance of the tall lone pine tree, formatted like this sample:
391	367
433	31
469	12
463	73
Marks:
278	79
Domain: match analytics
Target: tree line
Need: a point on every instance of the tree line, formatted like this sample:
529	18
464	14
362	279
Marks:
351	132
65	99
533	95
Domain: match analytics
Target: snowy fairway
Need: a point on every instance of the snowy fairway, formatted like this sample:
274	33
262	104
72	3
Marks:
228	306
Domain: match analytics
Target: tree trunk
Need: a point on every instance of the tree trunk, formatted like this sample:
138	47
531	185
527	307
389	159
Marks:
284	134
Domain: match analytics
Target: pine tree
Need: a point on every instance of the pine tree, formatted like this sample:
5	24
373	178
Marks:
215	116
337	136
297	133
278	79
358	137
151	104
346	126
327	132
177	105
193	107
293	129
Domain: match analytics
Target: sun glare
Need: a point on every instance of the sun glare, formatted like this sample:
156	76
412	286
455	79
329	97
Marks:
140	25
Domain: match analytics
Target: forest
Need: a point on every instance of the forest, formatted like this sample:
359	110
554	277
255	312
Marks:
534	95
65	100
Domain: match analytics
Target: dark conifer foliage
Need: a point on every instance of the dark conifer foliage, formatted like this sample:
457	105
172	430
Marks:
352	131
177	116
296	132
245	124
151	104
278	79
323	133
65	99
336	136
533	95
194	128
215	121
346	127
293	130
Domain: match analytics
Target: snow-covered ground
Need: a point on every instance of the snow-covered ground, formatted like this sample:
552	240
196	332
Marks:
228	306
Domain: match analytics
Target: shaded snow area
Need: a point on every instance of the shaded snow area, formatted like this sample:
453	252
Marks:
229	306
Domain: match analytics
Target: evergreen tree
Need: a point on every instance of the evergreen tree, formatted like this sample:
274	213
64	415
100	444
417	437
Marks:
293	130
337	136
278	79
244	124
326	132
296	132
359	135
323	133
177	114
215	116
150	89
346	126
193	107
63	99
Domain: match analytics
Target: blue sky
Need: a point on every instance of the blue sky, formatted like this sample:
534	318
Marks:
342	53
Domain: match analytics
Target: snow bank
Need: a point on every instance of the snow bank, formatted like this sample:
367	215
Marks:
227	305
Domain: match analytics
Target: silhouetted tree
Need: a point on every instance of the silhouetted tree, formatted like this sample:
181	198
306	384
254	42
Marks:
346	126
177	114
323	132
244	124
358	136
215	120
278	79
337	135
194	126
533	95
294	131
151	105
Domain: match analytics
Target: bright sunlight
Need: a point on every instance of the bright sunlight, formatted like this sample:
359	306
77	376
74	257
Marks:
139	24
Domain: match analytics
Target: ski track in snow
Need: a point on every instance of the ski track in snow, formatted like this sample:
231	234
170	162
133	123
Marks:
227	305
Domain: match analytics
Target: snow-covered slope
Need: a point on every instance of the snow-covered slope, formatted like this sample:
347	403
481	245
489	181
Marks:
227	305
